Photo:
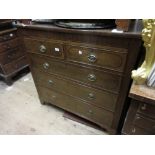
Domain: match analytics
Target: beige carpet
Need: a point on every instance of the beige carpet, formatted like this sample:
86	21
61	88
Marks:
22	113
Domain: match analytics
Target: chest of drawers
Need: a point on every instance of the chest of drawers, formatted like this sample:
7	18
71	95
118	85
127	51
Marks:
86	72
140	118
12	54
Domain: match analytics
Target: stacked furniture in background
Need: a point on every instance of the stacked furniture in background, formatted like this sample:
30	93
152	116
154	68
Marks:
86	72
12	55
140	118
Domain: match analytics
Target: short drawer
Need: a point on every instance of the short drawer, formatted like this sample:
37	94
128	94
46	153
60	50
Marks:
44	47
98	57
11	55
8	36
95	97
15	65
145	123
146	109
8	45
87	111
90	76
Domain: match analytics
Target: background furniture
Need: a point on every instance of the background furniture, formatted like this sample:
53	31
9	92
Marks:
140	118
86	72
12	54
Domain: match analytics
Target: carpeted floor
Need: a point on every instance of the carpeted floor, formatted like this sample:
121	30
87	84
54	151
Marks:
22	113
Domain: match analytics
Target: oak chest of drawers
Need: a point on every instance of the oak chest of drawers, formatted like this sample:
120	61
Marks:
12	54
86	72
140	118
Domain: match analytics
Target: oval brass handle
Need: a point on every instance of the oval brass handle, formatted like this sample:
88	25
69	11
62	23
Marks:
46	65
42	49
133	130
50	82
143	107
92	58
91	96
91	77
90	111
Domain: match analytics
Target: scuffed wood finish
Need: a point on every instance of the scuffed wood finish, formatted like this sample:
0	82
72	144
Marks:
89	94
66	79
102	57
104	80
141	114
100	116
142	93
12	54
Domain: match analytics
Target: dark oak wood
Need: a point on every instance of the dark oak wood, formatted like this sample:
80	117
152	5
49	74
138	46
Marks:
67	78
100	98
141	115
12	53
103	80
83	109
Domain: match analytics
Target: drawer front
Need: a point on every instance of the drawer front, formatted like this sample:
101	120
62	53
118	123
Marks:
93	96
87	111
146	109
138	131
11	55
93	77
145	123
15	65
8	36
8	45
98	57
48	48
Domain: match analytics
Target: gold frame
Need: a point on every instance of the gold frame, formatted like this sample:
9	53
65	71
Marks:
148	35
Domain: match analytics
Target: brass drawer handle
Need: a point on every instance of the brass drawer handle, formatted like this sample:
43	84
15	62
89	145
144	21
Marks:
42	49
91	96
46	65
90	111
92	58
8	46
143	107
133	130
50	82
91	77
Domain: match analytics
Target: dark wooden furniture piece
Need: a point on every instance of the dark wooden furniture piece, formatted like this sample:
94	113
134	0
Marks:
140	118
12	54
86	72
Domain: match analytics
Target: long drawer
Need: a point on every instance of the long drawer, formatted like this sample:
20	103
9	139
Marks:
98	57
145	123
87	111
11	55
15	65
96	97
8	45
45	47
90	76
